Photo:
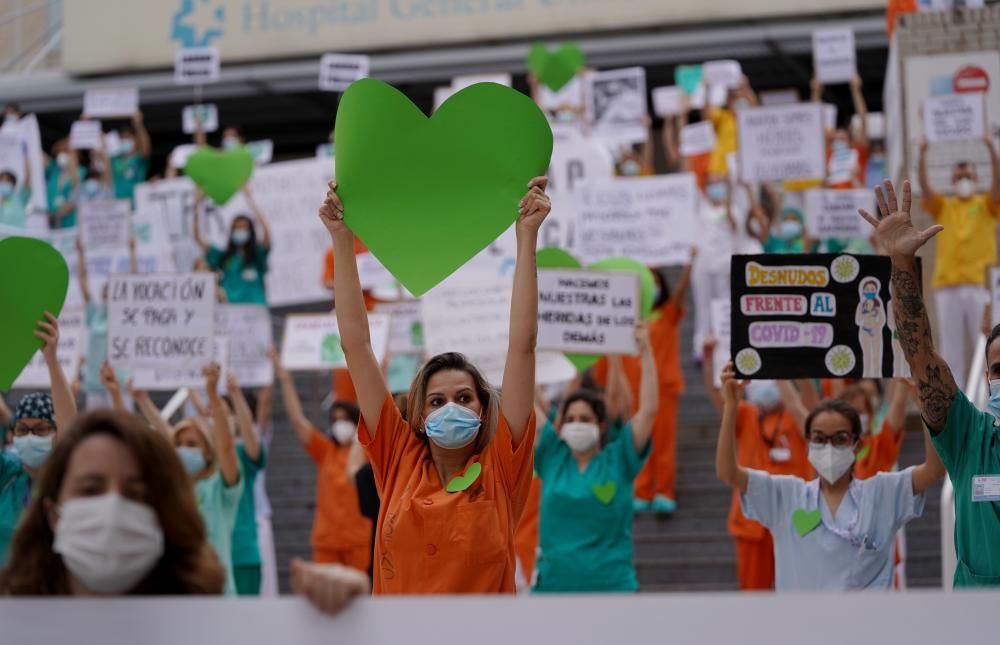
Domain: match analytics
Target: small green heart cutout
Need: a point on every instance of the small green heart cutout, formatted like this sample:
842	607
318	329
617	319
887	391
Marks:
427	194
462	482
605	492
220	174
35	280
688	77
864	452
805	522
555	69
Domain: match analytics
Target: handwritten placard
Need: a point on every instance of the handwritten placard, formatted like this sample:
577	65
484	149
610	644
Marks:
697	138
196	66
668	101
207	113
616	102
720	310
161	321
248	333
168	379
587	312
85	135
834	58
312	342
727	74
105	223
111	102
955	117
338	71
782	142
834	213
406	329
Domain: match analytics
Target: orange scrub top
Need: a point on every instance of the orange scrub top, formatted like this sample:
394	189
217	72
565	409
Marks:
338	522
430	540
879	453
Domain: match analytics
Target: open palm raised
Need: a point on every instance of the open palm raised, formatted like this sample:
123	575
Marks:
894	229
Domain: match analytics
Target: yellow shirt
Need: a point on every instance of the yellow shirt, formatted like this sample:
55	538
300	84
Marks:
724	122
967	245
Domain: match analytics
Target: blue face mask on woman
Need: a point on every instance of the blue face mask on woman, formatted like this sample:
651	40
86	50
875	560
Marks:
452	426
192	459
790	229
716	192
993	405
33	450
870	295
240	236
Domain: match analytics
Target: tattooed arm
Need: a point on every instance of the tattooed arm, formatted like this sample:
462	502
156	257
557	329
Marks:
901	240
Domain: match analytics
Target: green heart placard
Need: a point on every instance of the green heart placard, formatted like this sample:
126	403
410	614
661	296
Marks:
555	69
220	174
462	482
688	77
605	493
35	280
556	258
427	194
805	522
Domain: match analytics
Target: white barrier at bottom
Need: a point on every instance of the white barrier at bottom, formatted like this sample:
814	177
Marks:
677	619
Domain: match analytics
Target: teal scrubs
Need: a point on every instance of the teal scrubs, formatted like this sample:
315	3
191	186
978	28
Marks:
127	171
585	519
15	493
244	284
782	246
969	447
246	552
218	504
14	209
59	190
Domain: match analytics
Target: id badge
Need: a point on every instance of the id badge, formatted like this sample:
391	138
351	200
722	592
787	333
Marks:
986	488
780	455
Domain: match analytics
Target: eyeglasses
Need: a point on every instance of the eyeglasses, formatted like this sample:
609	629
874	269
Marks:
38	429
841	439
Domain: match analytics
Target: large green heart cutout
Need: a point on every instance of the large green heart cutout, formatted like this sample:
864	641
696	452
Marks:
35	280
220	174
555	69
426	195
556	258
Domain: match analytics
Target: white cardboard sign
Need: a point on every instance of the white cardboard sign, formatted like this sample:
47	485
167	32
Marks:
955	117
105	223
668	101
834	58
338	71
311	342
111	102
168	379
406	328
69	353
248	334
697	138
85	135
720	313
834	213
207	112
616	101
782	142
196	66
727	74
587	312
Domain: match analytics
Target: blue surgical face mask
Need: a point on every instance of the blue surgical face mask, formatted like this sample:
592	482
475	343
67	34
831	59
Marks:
870	295
565	116
993	405
230	143
33	450
6	189
790	229
630	168
452	426
91	187
716	192
192	459
839	145
240	236
764	394
126	146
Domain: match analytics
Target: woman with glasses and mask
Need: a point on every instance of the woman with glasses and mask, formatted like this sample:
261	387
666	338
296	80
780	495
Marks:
834	533
34	425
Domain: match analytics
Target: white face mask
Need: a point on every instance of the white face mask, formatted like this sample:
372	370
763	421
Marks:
965	188
62	159
580	437
831	463
343	431
107	542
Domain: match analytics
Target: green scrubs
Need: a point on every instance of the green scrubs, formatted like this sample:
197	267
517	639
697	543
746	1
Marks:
15	491
14	209
243	283
218	504
127	171
246	552
585	519
969	447
59	188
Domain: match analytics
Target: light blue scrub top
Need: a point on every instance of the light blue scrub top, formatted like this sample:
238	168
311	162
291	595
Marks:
852	551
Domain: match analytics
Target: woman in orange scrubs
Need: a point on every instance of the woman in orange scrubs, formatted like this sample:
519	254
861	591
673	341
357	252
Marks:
453	479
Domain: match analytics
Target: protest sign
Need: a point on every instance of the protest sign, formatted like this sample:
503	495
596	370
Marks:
994	278
311	342
11	153
338	71
472	316
723	73
85	135
575	163
720	313
167	206
782	142
649	219
248	334
667	101
373	273
459	83
616	102
834	213
401	371
779	97
196	66
406	329
161	321
21	141
168	379
587	312
829	116
105	223
697	138
207	113
834	55
69	353
955	117
111	102
812	316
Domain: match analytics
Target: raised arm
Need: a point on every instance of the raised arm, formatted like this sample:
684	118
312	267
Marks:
649	391
927	194
142	143
199	197
669	139
150	412
807	393
793	404
619	394
265	404
225	446
861	109
265	229
681	288
708	373
931	471
352	317
646	151
994	173
518	390
901	240
727	468
81	271
133	259
110	382
63	401
896	416
244	418
290	397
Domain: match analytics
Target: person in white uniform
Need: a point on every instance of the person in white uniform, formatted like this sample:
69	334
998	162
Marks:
834	533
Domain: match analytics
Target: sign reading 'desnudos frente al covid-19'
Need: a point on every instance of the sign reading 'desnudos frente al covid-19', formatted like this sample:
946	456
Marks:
813	316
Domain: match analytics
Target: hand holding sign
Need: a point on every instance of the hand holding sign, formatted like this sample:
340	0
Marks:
894	229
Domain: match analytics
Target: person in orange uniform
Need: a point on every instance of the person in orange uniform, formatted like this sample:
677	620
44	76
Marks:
769	438
656	485
878	452
455	477
340	534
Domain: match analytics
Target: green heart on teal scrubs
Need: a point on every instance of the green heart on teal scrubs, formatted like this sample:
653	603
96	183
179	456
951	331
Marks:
605	492
805	522
462	482
220	174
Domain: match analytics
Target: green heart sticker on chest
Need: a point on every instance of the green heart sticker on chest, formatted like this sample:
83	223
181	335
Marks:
805	522
427	194
220	175
555	69
35	280
462	482
605	493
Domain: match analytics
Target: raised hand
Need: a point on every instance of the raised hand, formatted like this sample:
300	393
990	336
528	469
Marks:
47	331
331	213
534	206
329	587
732	388
212	373
894	230
642	337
